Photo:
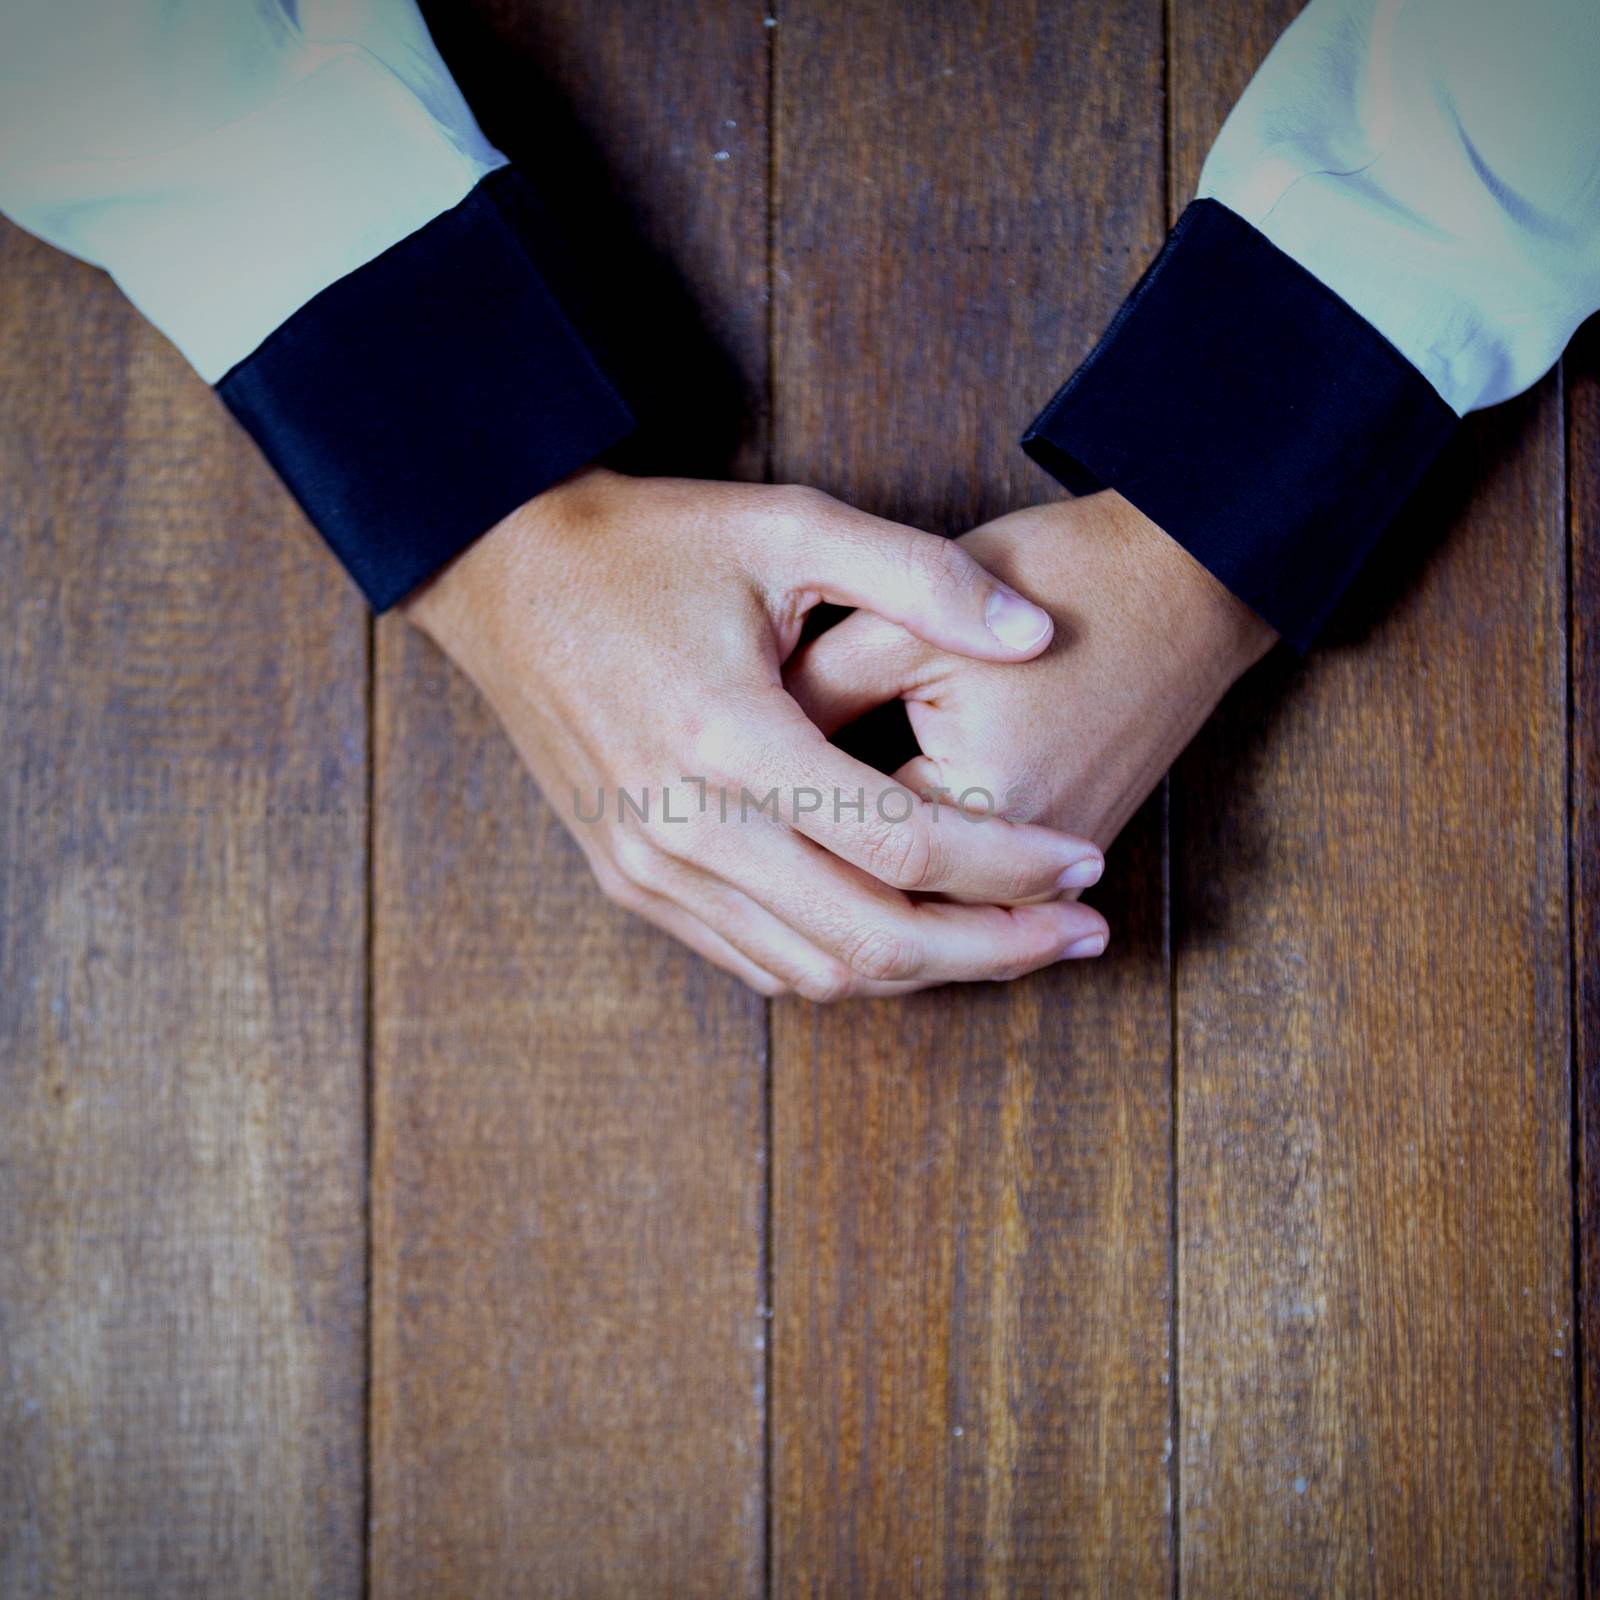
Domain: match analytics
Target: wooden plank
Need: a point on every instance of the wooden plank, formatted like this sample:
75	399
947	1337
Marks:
1370	937
1582	368
971	1220
569	1179
182	923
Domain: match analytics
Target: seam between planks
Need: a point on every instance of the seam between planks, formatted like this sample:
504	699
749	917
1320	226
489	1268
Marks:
1575	1110
1168	212
368	1058
769	1275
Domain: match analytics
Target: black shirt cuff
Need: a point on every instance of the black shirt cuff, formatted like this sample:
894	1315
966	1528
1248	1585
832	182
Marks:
415	402
1250	413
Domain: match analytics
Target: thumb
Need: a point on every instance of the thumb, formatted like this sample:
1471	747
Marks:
857	665
928	585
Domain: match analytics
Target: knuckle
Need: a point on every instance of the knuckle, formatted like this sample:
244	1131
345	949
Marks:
1017	795
803	498
793	508
903	854
940	566
826	983
712	746
681	841
880	954
637	862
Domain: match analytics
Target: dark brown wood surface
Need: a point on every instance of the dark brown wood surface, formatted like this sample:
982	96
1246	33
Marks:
1582	369
569	1185
1371	952
1248	1260
971	1198
182	926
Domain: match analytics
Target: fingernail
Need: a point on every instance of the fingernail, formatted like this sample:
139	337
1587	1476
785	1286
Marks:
1016	623
1082	873
1081	949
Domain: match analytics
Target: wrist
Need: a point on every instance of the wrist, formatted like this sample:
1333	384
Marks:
1215	628
457	608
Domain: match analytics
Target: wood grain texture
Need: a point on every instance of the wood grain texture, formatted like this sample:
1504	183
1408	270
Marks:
569	1168
972	1214
1370	937
182	817
1582	368
971	1187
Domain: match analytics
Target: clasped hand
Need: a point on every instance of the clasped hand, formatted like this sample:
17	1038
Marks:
632	634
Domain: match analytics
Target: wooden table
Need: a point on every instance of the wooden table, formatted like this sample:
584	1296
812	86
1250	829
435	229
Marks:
380	1209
